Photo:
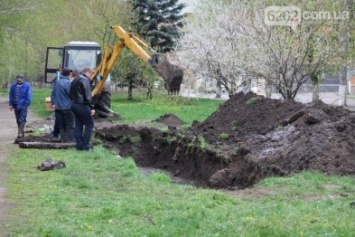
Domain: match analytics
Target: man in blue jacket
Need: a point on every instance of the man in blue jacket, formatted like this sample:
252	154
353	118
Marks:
62	103
20	98
57	114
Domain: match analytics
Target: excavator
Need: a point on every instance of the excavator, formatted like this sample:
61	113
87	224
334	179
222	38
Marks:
77	55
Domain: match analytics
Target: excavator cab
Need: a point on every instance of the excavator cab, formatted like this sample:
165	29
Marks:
75	55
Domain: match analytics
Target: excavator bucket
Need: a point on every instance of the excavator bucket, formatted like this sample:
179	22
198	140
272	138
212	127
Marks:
170	70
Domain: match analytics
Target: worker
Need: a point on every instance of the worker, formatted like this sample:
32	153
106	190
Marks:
57	114
83	109
62	103
20	97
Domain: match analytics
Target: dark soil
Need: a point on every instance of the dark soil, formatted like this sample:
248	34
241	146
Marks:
247	139
170	120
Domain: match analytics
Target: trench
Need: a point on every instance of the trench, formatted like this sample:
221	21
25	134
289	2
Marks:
185	157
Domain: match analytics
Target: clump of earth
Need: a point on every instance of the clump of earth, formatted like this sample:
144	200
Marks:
245	140
170	120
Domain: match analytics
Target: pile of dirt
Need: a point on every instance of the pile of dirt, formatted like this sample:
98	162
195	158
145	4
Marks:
170	120
249	114
247	139
245	114
285	135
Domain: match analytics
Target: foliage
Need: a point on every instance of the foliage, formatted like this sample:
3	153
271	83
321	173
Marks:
202	142
133	72
27	29
224	136
158	21
13	44
252	100
230	43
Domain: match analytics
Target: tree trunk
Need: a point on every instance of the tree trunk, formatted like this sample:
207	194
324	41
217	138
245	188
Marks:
130	89
219	89
315	88
315	93
344	69
150	90
268	89
342	86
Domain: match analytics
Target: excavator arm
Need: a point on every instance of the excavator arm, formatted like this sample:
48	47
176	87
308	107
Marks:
170	70
111	54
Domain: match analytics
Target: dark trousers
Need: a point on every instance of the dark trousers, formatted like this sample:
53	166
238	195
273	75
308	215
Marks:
20	115
67	125
58	118
84	124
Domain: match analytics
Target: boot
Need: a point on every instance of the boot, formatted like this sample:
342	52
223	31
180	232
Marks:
21	130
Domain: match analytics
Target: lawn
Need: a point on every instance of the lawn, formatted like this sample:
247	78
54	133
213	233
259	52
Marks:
187	109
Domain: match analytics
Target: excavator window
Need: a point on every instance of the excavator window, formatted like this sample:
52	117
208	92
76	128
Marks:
79	59
75	55
54	61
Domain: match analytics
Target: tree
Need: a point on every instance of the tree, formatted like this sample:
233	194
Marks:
158	21
233	43
11	45
28	27
134	72
104	14
210	47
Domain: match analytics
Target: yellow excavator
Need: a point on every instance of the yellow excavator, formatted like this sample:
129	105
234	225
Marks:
77	55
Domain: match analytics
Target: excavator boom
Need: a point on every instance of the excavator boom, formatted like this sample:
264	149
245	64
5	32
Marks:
170	70
111	54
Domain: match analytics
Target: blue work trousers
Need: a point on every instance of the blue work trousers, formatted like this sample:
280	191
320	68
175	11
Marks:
21	115
58	118
67	125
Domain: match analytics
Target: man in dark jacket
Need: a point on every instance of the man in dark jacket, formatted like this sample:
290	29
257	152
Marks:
20	97
62	103
83	109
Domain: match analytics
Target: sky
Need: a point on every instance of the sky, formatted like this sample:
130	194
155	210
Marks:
190	4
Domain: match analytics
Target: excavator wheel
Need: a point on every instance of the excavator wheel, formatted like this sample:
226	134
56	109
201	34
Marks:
103	103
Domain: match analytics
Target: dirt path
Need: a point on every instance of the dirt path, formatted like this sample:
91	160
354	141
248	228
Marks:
8	134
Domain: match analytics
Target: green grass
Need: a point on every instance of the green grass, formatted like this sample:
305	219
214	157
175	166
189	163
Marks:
187	109
102	194
38	104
